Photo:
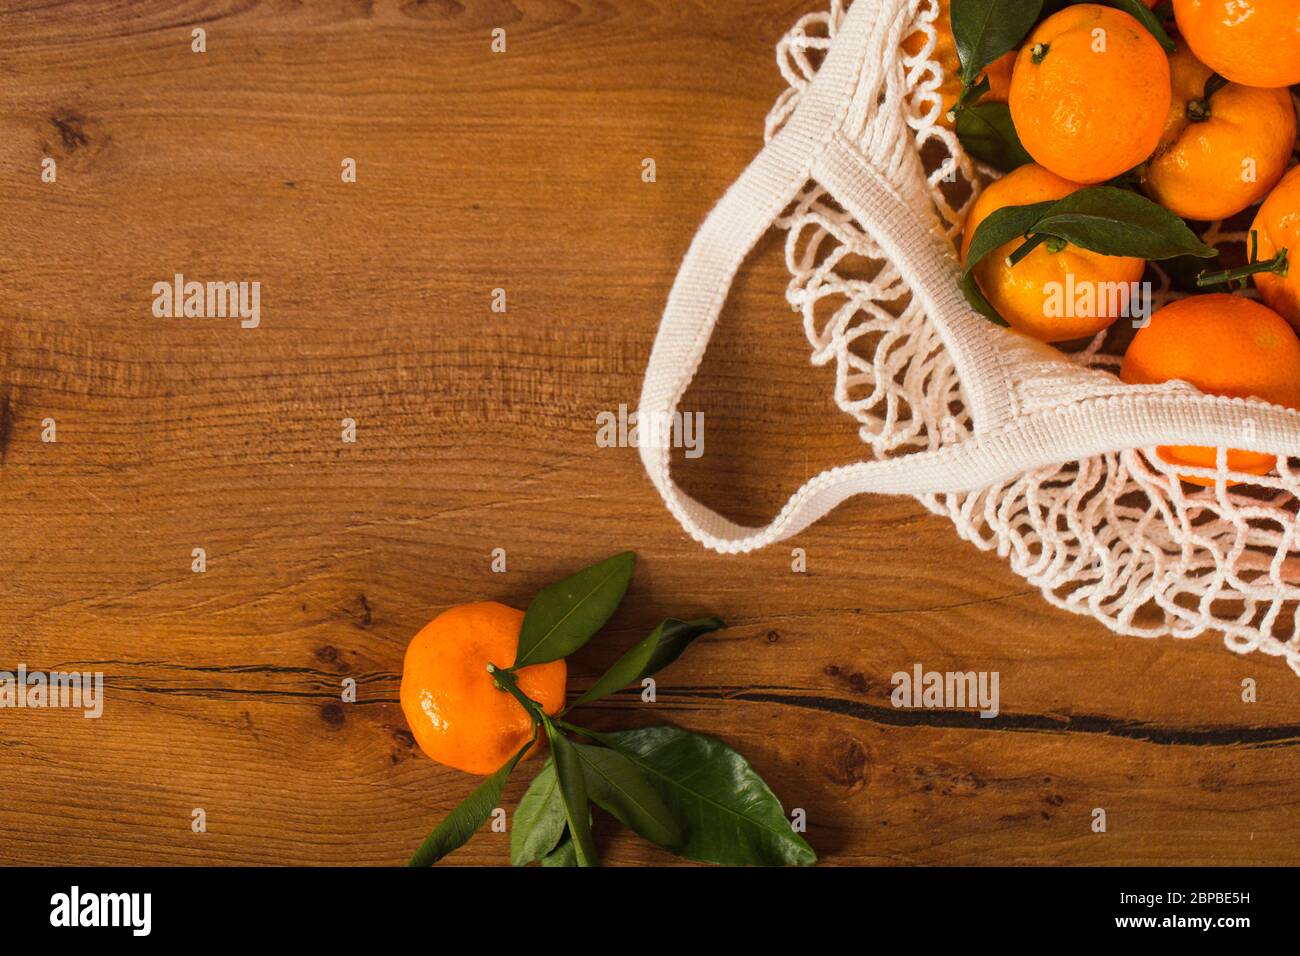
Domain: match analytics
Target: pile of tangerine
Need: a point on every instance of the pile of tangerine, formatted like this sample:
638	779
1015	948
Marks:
1210	130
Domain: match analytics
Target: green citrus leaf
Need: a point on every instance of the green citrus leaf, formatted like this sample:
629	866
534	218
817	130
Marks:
975	297
655	652
565	615
1118	222
1002	226
563	855
472	812
573	792
987	133
728	813
539	820
1145	16
986	29
970	95
616	785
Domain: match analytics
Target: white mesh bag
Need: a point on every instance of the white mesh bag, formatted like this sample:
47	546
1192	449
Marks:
1046	458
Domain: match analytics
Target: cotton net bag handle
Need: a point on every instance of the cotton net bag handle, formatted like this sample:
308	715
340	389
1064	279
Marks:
860	150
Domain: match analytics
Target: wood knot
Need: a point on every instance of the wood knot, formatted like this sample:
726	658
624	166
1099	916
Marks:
856	681
70	127
847	764
405	744
332	714
364	614
72	137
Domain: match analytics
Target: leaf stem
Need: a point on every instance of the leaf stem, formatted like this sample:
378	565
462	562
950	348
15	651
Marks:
574	728
1278	265
971	93
1026	247
1198	111
505	679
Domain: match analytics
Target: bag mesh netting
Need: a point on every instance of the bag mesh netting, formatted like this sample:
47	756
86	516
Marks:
1044	457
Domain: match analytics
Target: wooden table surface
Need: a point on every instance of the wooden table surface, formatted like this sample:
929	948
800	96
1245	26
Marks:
476	431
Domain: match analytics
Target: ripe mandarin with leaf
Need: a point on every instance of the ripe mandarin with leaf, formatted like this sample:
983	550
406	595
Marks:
483	683
1252	42
945	54
456	710
1223	147
1020	292
1090	93
1277	225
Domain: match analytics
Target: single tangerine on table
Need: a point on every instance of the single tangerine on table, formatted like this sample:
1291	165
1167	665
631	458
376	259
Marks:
1020	292
945	54
1218	155
1224	345
457	714
1090	93
1277	224
1252	42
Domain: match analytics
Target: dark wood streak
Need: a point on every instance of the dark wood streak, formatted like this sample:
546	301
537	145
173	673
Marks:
1026	723
6	424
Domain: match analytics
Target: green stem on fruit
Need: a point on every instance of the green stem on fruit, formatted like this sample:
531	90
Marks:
505	680
970	94
1039	51
1028	246
1198	111
1278	265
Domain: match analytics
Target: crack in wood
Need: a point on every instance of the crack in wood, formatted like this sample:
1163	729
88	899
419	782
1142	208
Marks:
6	424
1255	737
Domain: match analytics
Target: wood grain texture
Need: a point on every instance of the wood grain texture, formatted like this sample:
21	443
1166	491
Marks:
476	431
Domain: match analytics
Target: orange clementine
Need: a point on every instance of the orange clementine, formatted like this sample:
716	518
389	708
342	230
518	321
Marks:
945	54
1041	294
1252	42
458	715
1223	345
1220	155
1278	225
1090	93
